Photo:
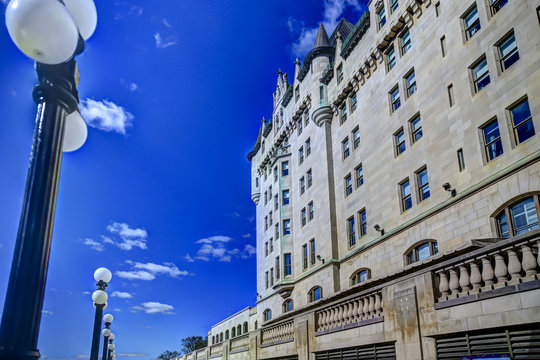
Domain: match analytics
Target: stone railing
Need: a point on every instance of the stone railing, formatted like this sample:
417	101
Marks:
353	311
216	350
506	263
278	333
190	356
240	343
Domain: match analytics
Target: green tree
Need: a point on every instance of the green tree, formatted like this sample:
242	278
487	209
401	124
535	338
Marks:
192	343
168	355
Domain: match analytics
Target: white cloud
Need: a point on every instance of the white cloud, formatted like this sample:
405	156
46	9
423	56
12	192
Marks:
246	236
250	250
86	292
47	312
135	275
251	218
164	43
215	248
94	244
333	10
153	307
106	115
235	214
148	271
121	295
130	237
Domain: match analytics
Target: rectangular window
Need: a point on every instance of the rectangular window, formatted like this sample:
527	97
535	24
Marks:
359	175
306	118
276	230
438	9
276	202
270	219
497	5
354	102
394	5
423	184
522	122
363	222
310	211
410	83
399	140
308	147
265	197
351	231
405	41
345	148
299	124
271	243
303	216
271	276
275	173
309	178
286	197
416	128
406	199
443	46
266	279
286	227
301	155
508	51
297	93
265	222
390	58
302	185
381	15
461	160
266	248
339	71
343	113
480	74
269	192
451	100
304	256
394	99
356	137
348	185
492	140
471	22
312	253
278	272
285	168
287	264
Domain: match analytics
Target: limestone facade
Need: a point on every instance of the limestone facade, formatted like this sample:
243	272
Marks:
450	177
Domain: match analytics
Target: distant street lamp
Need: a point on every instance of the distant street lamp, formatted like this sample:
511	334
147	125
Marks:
99	297
107	319
51	33
111	354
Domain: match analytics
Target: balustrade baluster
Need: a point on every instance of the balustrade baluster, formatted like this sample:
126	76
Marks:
340	316
501	271
443	284
355	310
371	306
366	308
350	316
319	321
325	314
378	304
487	272
464	280
514	265
528	261
476	277
454	282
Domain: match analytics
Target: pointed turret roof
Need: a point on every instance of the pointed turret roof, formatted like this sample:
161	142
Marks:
322	38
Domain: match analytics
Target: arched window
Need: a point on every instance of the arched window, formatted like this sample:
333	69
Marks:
421	250
287	305
239	329
213	340
233	332
519	217
256	324
220	337
227	335
267	315
315	294
360	275
245	327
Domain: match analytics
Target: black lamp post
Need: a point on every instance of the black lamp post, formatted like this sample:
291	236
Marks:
99	297
110	348
107	319
57	99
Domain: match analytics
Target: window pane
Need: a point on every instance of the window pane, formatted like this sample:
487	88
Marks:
423	251
363	276
521	112
524	216
503	225
491	132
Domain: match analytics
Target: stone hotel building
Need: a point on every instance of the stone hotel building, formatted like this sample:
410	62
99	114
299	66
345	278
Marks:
397	188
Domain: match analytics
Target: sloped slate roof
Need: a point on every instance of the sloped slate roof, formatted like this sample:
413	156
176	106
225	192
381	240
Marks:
344	27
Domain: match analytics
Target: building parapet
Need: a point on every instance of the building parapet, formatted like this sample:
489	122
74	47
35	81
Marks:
240	343
277	334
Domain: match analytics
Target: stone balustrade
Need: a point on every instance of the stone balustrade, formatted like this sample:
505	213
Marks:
278	333
352	311
201	354
505	265
190	356
216	350
240	343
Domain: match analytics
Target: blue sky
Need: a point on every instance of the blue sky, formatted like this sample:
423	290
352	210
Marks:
174	92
